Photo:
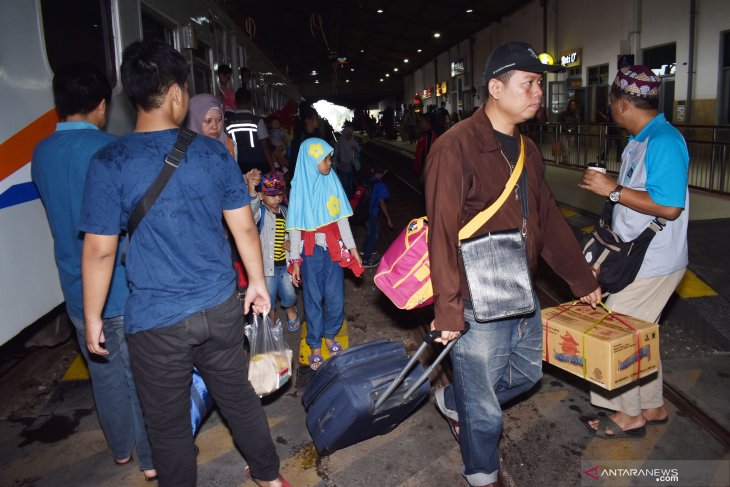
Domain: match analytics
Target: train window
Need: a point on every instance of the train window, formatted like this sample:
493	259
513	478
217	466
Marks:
220	42
152	28
79	31
202	78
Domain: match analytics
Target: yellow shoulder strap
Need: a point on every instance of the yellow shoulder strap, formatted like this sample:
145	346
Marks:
480	219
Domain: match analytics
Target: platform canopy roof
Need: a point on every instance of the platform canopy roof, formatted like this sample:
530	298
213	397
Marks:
321	44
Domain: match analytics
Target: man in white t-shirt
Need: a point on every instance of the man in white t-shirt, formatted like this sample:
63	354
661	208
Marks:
652	183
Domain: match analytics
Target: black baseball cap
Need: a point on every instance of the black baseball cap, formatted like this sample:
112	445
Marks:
516	56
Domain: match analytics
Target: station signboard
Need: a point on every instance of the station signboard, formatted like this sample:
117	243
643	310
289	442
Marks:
571	59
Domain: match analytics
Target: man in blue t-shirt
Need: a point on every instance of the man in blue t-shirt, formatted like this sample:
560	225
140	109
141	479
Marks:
652	183
183	310
60	163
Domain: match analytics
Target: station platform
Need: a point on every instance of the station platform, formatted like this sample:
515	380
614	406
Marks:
542	433
50	436
704	293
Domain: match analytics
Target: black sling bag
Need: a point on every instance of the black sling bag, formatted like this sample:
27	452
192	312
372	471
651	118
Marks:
619	261
184	138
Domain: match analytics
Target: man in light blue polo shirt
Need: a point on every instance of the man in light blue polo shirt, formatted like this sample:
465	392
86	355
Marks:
59	168
652	183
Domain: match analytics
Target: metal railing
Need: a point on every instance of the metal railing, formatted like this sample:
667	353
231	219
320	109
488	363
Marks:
572	145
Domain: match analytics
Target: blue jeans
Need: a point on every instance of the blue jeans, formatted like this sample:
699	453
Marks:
280	285
492	363
371	238
115	394
324	296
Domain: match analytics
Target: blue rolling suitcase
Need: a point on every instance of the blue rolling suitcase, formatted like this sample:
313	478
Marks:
366	391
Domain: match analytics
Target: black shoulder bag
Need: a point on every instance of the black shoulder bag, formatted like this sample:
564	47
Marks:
495	264
184	138
619	261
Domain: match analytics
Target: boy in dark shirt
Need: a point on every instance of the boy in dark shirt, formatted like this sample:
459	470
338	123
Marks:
378	194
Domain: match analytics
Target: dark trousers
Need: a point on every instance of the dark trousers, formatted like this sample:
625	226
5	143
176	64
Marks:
372	227
163	360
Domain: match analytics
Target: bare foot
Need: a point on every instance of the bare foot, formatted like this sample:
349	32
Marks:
315	360
624	421
123	461
291	313
333	346
655	414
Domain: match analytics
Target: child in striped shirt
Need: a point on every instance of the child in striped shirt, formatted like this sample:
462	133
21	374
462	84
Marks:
270	216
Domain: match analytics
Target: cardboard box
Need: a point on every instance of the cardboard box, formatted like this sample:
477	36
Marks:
599	346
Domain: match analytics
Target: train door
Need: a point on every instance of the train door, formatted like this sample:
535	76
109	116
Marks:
35	38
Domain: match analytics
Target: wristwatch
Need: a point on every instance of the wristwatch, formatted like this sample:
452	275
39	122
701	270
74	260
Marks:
615	195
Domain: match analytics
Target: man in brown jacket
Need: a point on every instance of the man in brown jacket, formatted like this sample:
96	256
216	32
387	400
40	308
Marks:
466	171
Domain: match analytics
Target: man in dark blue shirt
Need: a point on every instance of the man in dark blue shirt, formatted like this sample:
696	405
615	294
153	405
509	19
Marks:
183	310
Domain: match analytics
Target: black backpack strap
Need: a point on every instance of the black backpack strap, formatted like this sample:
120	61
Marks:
184	138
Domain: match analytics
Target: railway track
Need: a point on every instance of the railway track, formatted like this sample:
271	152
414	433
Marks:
407	202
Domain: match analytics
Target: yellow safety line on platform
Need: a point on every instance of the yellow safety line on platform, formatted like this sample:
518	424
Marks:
692	286
77	370
305	351
567	212
684	380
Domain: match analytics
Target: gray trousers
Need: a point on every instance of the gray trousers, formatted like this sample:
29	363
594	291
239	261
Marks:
644	299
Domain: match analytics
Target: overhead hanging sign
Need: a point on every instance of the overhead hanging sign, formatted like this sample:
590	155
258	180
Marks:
457	67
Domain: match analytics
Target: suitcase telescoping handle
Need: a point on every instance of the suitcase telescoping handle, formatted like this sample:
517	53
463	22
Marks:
430	337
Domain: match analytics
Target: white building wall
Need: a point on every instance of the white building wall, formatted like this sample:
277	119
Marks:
524	25
418	79
713	18
603	30
484	43
596	28
672	27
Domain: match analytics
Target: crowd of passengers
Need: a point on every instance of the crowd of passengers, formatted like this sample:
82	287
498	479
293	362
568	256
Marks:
150	306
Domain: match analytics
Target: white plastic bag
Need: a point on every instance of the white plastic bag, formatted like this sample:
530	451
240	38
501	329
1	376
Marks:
270	365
